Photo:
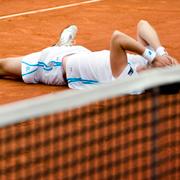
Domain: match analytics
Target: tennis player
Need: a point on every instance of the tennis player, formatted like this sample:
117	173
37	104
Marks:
69	64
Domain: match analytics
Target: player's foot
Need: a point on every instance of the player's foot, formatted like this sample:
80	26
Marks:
67	36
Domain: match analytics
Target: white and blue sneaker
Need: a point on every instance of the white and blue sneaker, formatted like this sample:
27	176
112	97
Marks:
68	36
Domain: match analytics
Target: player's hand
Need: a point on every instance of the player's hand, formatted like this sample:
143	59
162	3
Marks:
172	59
162	61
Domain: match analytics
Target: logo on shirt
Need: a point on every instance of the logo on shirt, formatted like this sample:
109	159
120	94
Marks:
130	71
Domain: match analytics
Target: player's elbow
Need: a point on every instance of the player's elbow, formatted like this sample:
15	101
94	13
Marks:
118	38
116	34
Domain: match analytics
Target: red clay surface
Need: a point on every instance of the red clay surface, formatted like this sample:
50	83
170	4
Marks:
96	22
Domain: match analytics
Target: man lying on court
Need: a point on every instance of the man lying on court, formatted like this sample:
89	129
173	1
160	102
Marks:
79	68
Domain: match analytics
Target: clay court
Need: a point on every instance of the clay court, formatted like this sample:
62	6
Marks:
123	137
26	33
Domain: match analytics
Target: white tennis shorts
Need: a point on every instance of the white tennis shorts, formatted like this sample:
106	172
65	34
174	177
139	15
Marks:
86	69
46	66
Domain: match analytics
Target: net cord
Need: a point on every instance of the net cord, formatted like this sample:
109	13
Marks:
61	101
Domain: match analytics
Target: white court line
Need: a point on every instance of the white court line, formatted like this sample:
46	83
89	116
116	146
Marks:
48	9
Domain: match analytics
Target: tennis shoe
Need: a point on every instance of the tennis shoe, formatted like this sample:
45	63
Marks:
68	36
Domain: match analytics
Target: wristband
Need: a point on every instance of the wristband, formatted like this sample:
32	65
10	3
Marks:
149	55
160	51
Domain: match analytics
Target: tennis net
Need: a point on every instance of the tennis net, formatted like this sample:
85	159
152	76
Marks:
100	133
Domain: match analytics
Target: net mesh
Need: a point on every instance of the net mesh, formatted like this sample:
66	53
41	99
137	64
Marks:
124	137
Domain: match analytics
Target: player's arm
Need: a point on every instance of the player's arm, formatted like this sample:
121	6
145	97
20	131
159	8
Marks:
148	36
129	44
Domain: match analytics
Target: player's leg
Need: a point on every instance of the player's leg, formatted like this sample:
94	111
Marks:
11	67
